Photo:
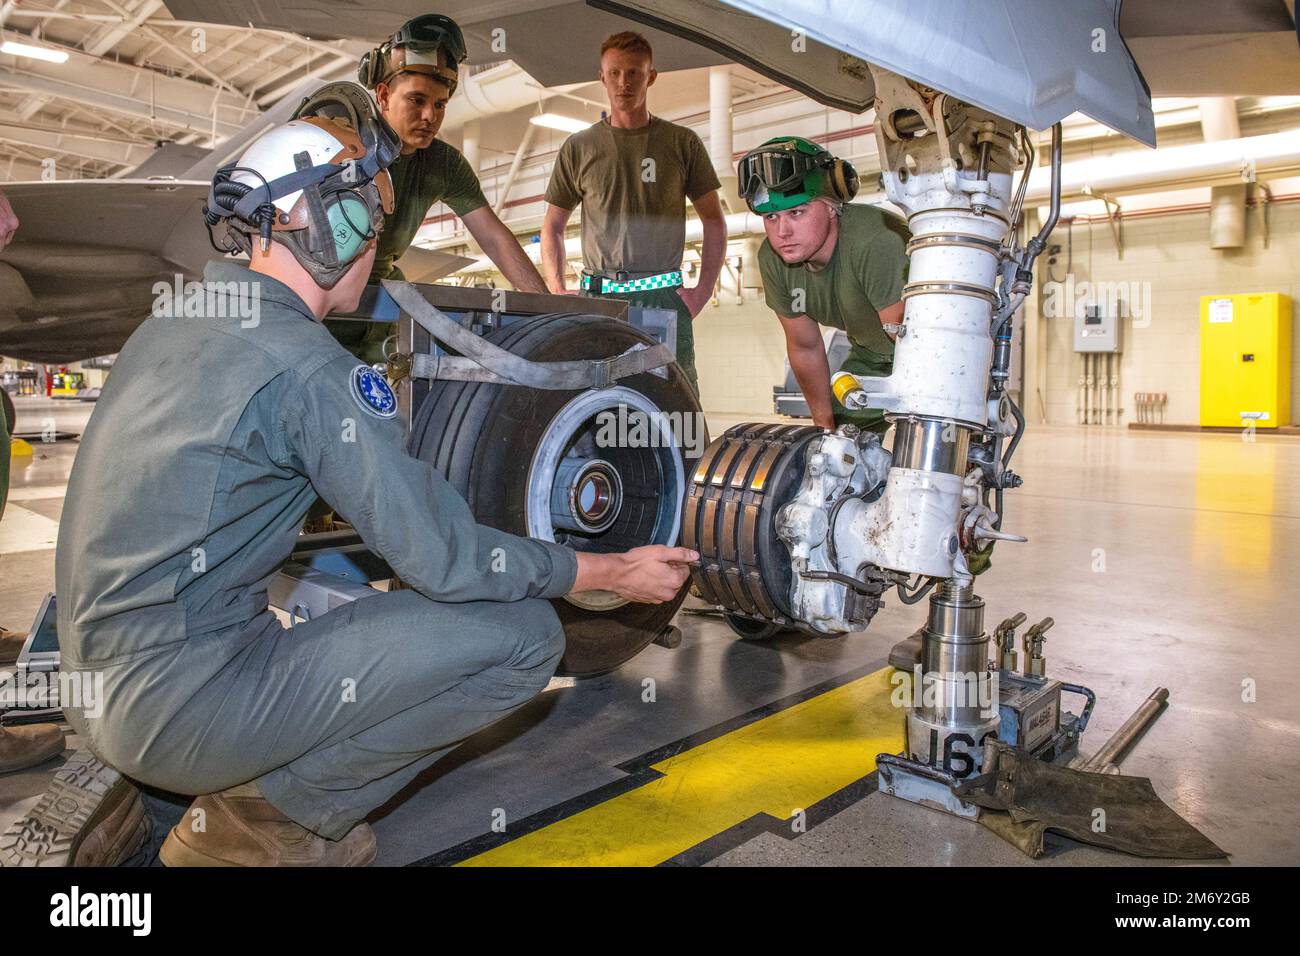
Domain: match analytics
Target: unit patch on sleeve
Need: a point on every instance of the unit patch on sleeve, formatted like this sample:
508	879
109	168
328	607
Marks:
373	393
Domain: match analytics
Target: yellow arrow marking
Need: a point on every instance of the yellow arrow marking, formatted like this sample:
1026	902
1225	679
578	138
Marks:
776	765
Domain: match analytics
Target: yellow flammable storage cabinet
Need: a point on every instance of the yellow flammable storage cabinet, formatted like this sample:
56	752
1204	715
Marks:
1246	359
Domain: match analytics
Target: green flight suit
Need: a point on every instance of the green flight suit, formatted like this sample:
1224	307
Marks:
206	448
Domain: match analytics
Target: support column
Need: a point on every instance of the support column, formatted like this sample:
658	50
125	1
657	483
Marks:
469	145
720	138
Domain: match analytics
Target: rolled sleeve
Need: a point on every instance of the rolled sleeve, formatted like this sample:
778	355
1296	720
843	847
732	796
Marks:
701	177
464	193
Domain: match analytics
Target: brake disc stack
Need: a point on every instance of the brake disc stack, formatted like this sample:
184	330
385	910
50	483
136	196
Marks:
742	480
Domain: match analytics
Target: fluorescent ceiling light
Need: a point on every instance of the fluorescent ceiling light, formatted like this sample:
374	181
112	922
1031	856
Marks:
35	52
566	124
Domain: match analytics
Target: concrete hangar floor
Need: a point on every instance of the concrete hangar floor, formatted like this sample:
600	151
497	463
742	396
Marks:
1164	559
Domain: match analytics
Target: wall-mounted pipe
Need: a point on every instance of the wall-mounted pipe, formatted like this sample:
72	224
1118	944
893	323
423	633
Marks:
1173	167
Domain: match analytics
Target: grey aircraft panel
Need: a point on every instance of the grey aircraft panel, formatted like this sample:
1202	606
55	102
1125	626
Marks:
1161	18
1236	64
80	275
556	41
1032	61
169	159
1182	47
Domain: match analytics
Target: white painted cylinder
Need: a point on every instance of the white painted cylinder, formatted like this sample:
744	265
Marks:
941	364
912	527
1228	216
720	140
469	145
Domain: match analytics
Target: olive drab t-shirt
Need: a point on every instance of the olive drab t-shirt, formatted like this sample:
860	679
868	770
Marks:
866	273
436	173
632	185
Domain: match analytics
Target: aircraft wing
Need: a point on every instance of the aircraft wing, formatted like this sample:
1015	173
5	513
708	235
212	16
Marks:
79	276
430	265
1005	55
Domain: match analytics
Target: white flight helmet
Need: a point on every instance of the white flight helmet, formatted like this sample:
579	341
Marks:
319	184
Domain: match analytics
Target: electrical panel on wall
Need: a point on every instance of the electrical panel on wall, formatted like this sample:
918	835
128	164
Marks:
1097	329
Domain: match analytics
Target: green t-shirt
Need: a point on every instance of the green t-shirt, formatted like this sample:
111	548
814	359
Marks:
436	173
633	185
866	273
420	179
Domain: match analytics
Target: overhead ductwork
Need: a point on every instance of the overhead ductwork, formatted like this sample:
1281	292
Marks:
1227	202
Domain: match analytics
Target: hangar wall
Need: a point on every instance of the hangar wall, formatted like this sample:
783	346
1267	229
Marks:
1169	255
740	349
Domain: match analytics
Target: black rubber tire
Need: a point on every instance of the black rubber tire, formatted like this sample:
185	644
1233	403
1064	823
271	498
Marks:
482	437
749	629
11	415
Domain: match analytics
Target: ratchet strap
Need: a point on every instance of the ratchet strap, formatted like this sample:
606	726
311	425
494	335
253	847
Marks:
481	361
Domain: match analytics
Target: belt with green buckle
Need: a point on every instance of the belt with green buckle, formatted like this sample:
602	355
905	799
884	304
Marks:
619	282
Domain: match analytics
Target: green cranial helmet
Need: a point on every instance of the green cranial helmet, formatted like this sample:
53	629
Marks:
789	171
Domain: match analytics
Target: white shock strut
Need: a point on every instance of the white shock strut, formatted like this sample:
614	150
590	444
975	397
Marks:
949	166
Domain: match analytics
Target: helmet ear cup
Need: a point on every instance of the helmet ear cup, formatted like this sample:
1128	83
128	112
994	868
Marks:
843	180
346	214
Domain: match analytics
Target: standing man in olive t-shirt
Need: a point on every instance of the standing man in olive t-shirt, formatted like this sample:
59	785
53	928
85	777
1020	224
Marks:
826	262
632	174
413	75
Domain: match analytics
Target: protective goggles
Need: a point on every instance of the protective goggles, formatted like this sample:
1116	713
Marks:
778	168
426	35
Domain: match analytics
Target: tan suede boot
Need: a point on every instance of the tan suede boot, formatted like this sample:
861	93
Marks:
11	645
240	827
90	816
27	745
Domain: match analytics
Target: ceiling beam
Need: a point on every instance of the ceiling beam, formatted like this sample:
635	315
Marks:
149	94
89	133
94	152
108	36
337	69
178	117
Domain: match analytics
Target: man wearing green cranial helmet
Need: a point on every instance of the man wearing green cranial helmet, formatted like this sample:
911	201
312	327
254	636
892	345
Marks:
826	262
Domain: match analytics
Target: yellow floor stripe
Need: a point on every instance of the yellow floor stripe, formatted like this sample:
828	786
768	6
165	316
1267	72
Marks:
776	765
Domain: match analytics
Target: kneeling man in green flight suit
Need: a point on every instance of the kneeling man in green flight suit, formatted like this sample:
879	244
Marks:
209	443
